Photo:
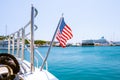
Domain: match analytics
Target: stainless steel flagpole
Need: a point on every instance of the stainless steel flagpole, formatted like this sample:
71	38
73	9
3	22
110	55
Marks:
51	44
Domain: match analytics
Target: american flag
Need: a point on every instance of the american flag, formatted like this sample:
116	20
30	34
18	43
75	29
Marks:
64	33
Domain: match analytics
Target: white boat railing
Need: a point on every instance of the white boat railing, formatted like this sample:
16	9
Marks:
16	41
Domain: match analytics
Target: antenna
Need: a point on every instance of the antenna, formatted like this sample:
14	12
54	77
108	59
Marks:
5	32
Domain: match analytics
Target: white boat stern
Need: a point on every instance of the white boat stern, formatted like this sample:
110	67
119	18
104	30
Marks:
39	75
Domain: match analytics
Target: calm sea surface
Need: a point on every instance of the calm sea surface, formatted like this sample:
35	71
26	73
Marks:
84	63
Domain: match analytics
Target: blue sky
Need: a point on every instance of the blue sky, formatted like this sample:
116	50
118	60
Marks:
88	19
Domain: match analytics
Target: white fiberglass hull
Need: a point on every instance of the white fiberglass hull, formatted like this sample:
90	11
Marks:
37	74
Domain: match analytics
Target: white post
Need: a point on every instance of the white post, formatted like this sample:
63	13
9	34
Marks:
13	44
9	41
23	42
32	40
18	44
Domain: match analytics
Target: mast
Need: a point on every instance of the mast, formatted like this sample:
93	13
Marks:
6	30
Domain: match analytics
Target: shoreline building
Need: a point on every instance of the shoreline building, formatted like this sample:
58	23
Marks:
87	43
3	44
115	43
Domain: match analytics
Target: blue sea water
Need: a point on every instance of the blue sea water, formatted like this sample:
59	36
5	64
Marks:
84	63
